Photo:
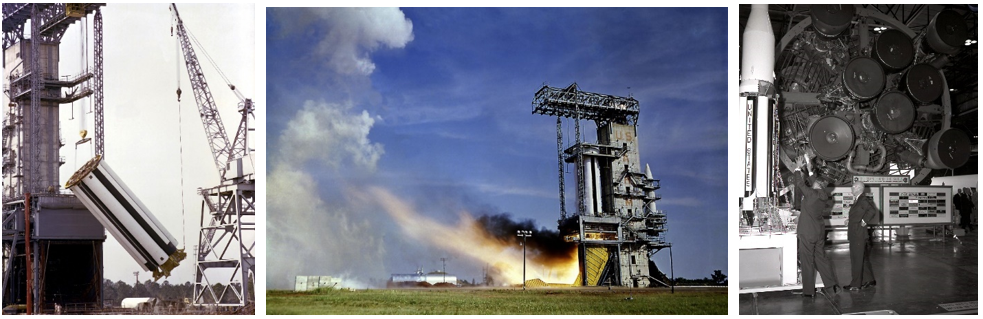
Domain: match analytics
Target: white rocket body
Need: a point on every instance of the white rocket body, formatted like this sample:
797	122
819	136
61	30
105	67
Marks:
125	216
758	50
757	72
651	194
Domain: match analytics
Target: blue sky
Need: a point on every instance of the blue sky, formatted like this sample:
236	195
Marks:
435	106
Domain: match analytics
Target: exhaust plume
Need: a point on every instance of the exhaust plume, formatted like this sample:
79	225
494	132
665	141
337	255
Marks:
490	240
546	246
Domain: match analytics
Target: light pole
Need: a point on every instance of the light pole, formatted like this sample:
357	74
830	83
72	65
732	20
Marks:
524	234
631	283
672	271
443	261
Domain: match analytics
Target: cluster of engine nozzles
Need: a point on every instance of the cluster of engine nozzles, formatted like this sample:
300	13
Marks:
894	111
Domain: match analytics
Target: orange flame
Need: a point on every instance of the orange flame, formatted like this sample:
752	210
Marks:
468	238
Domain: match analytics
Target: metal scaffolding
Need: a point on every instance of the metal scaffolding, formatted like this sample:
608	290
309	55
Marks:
616	223
226	239
226	242
38	244
571	102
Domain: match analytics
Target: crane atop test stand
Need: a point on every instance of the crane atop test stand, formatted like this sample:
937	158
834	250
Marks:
228	210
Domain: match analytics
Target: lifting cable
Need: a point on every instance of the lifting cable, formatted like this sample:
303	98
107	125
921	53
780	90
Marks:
184	237
214	65
180	135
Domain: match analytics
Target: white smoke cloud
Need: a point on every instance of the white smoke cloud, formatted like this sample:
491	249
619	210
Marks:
313	229
331	134
308	237
352	34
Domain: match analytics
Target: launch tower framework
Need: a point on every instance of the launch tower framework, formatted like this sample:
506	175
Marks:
617	226
52	246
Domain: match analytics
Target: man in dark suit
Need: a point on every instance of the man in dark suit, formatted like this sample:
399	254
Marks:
964	204
815	204
863	213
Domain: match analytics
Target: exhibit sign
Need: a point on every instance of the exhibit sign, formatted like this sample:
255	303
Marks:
917	205
842	201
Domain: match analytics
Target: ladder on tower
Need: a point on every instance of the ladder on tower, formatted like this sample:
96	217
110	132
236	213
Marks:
8	131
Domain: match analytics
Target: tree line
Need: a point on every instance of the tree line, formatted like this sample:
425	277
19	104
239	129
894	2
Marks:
113	293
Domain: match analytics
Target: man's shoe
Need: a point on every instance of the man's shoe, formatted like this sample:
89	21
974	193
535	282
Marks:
808	294
868	284
851	288
837	289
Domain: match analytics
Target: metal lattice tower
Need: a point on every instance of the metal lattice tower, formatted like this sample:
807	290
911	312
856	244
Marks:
218	140
97	61
33	174
571	102
616	223
228	212
226	238
31	149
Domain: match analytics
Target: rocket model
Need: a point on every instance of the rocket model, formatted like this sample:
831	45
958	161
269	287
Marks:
122	213
757	99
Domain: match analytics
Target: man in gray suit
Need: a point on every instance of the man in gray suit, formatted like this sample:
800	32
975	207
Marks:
863	212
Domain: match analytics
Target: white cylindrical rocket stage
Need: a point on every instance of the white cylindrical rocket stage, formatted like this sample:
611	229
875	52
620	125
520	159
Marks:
756	100
588	187
651	193
126	218
593	202
757	51
598	200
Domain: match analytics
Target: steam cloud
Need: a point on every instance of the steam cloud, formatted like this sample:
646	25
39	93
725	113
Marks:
306	236
323	220
351	34
330	134
312	229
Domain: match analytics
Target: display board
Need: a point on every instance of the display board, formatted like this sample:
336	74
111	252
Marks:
917	205
882	179
843	200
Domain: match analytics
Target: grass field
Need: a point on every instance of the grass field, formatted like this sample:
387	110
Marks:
569	301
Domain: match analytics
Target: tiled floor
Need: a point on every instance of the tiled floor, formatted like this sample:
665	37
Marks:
913	276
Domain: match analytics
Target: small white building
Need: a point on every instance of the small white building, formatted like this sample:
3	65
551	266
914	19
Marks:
309	283
139	303
432	278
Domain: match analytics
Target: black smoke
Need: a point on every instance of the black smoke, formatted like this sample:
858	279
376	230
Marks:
546	246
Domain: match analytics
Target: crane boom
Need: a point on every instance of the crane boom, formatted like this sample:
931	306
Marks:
218	140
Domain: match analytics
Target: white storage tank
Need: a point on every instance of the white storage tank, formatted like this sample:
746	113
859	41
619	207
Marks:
139	303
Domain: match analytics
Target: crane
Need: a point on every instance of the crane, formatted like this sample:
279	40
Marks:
228	210
223	151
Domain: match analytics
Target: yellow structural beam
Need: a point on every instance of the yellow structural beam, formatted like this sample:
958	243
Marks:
597	258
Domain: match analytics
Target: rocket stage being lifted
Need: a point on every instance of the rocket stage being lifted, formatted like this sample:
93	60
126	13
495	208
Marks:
125	216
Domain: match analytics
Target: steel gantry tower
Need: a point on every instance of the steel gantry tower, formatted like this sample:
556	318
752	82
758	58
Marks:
617	226
52	246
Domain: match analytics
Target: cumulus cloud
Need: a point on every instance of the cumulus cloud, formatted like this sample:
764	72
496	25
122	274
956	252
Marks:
330	133
350	36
